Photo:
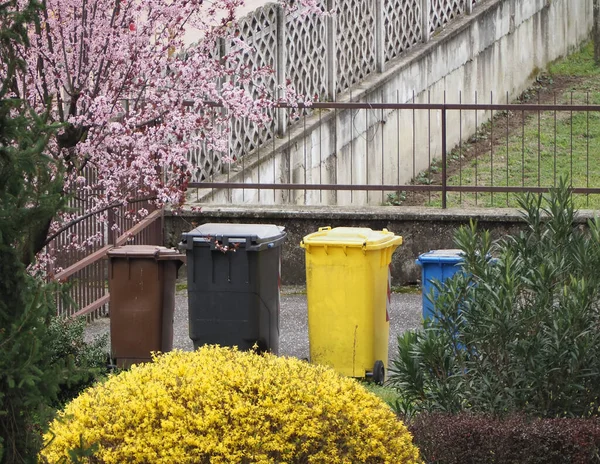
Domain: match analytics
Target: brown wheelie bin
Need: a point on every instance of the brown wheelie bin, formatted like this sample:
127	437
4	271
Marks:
142	301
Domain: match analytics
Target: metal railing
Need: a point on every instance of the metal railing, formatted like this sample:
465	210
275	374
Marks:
441	154
85	270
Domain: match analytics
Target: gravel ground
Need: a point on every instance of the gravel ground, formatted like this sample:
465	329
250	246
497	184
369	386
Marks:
405	313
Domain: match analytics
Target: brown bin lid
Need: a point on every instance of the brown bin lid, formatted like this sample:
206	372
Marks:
145	251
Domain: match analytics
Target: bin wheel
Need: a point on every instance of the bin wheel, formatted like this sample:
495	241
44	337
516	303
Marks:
378	372
111	364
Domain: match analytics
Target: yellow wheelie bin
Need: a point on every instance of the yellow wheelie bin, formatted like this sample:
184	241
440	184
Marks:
347	283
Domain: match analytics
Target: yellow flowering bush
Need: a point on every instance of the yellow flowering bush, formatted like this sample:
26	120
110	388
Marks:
221	405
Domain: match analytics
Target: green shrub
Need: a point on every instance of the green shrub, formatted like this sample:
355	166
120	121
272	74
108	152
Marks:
88	361
29	381
519	334
465	438
221	405
43	359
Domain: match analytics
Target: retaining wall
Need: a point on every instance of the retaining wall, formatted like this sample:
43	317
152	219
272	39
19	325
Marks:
423	229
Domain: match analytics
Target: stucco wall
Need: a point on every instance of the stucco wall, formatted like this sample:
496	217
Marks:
495	53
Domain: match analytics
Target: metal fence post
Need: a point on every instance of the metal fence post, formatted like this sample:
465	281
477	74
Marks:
281	69
51	251
379	36
111	220
331	25
470	4
425	23
159	224
444	159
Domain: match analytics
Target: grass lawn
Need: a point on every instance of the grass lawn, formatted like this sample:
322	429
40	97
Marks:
548	145
387	394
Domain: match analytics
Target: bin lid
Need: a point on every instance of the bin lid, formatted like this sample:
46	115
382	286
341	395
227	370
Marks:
145	251
450	256
362	237
255	233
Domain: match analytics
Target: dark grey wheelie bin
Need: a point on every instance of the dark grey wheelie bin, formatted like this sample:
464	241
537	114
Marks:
233	284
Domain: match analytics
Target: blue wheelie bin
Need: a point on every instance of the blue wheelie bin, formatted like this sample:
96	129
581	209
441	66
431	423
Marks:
439	265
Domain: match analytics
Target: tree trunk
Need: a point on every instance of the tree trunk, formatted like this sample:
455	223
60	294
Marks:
34	240
596	32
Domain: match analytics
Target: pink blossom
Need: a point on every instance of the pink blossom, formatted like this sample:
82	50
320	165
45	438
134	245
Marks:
133	94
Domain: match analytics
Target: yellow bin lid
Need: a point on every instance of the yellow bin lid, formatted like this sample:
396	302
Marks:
360	237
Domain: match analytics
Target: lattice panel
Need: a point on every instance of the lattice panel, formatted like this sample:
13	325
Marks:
355	41
402	22
443	11
248	135
258	30
306	56
206	163
306	53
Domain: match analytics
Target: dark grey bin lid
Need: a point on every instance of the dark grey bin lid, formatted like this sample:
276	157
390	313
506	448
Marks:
249	234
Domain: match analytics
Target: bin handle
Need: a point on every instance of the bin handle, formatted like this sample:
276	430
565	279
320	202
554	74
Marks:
232	242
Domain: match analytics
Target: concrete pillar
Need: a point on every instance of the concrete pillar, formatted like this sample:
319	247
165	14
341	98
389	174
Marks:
223	47
281	67
331	25
425	9
379	37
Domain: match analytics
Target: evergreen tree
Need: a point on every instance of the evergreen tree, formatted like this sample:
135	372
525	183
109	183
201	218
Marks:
30	187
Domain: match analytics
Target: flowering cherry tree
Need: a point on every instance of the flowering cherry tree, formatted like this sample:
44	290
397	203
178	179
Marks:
133	96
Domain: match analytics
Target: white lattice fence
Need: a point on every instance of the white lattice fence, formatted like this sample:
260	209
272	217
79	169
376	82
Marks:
206	162
321	56
402	21
355	41
259	32
306	53
443	11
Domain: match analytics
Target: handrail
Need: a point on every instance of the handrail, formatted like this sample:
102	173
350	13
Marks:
102	252
79	265
92	300
93	306
139	226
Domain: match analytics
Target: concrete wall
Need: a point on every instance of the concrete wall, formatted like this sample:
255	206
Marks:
423	229
494	53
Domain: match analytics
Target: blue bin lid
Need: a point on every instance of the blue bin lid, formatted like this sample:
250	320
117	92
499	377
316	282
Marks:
450	256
